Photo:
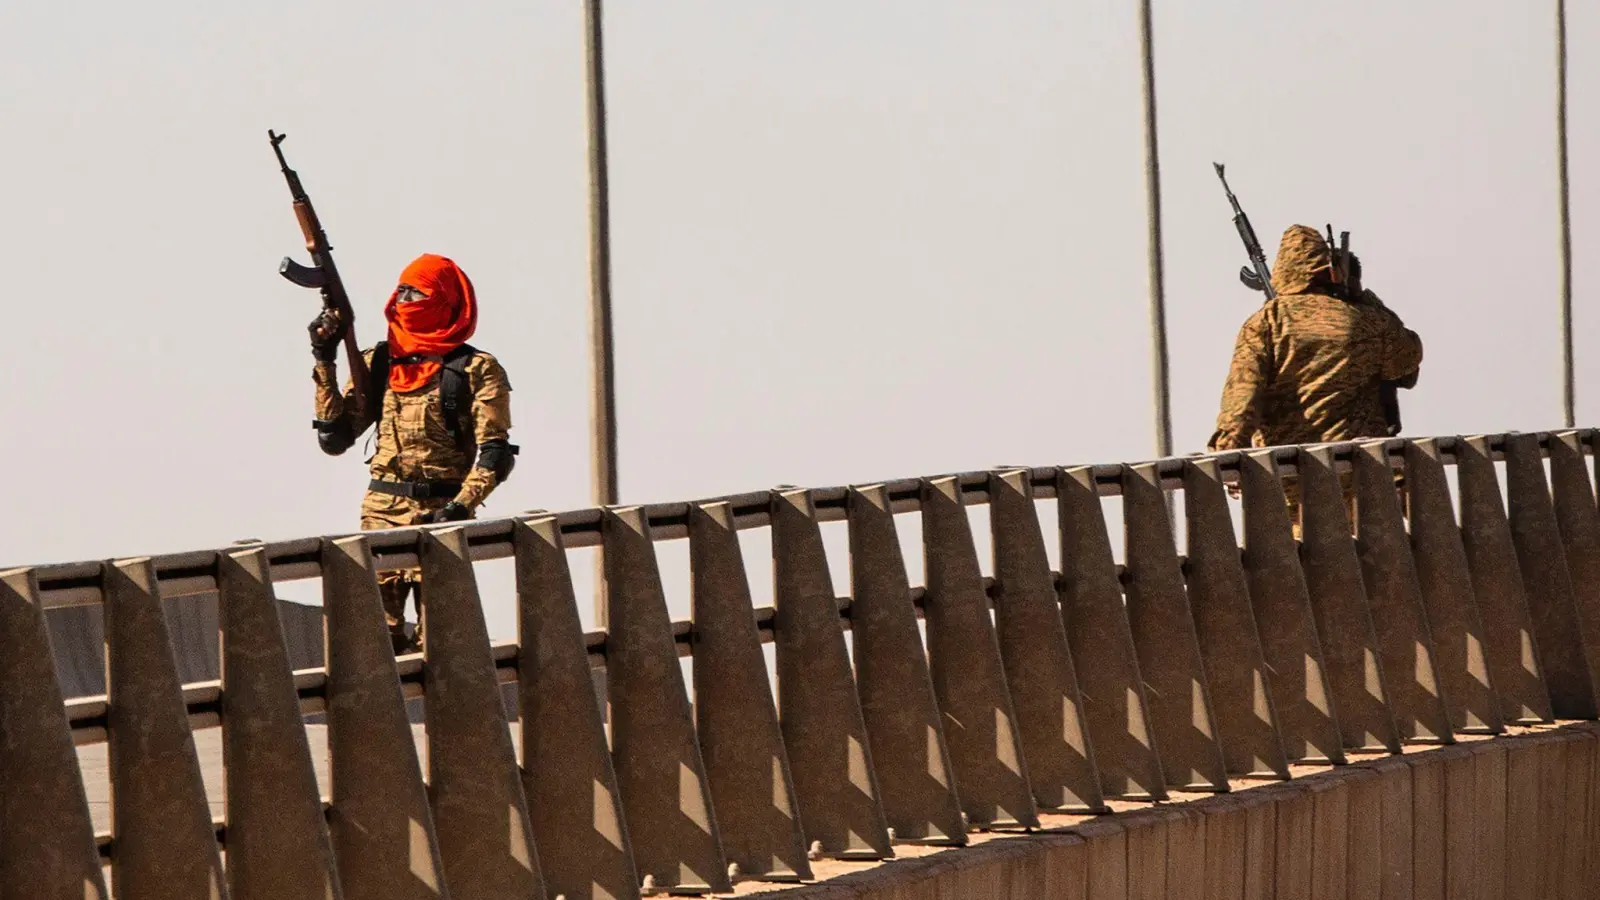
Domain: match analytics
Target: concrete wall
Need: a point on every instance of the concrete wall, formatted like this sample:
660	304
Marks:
1508	817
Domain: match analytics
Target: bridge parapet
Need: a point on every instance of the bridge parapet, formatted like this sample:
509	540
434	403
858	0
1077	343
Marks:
901	718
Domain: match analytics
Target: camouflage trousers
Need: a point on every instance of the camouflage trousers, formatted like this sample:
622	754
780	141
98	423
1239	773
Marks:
394	587
381	511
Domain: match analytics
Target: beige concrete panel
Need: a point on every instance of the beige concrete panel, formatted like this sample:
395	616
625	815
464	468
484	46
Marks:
567	774
735	718
968	674
906	731
47	846
1103	652
1038	660
481	818
278	845
380	813
164	843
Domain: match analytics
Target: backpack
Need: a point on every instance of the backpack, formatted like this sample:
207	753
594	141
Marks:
455	389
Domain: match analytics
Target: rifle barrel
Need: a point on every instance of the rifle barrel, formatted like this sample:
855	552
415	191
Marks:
1247	234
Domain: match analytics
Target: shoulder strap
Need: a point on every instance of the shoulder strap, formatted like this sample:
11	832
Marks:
378	382
455	393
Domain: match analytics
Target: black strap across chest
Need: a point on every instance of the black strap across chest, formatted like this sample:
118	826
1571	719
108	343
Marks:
455	387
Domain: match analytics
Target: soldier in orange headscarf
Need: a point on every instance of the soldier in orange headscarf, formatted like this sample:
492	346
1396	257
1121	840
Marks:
442	410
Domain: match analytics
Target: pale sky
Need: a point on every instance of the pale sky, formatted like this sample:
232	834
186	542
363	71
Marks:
852	240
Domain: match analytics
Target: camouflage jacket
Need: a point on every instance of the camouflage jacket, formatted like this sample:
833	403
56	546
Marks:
1307	365
412	442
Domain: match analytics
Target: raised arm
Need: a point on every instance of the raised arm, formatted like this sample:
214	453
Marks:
340	416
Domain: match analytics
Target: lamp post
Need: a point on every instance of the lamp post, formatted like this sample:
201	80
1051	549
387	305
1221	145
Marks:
1152	185
1568	390
602	372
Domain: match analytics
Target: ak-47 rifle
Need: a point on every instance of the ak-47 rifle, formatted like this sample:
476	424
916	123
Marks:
1257	277
1341	262
322	274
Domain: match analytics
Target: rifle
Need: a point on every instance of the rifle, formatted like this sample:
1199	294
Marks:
1341	267
322	274
1256	276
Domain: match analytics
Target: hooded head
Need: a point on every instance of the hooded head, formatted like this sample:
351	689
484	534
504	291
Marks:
1304	261
432	311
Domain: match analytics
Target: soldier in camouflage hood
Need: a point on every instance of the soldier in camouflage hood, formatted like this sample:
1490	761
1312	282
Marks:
442	411
1307	365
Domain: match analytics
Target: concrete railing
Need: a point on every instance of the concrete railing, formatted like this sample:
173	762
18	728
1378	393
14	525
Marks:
1034	693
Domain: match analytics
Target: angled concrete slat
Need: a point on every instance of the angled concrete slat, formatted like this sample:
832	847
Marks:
1225	624
1511	650
1569	671
1116	710
1339	600
1447	594
1297	675
1164	635
278	844
968	675
380	812
47	846
818	708
480	816
904	727
1579	523
1394	598
735	717
163	841
671	821
1038	660
567	773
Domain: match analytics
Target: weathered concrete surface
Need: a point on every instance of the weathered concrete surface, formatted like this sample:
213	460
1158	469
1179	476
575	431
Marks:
1506	804
208	744
1505	816
78	640
1394	825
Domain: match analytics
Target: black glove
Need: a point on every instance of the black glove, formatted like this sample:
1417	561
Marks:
327	330
450	512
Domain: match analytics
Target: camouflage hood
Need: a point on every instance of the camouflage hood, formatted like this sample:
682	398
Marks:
1303	261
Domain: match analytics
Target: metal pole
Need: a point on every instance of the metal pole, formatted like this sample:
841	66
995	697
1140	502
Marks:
602	373
1568	390
1152	184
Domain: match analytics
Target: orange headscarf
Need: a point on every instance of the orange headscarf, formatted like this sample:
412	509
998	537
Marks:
430	327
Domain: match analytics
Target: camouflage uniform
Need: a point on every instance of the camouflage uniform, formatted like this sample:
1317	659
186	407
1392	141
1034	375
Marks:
413	445
1307	365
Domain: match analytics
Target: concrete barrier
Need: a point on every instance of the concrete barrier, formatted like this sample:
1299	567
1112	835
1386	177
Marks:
1504	817
1371	708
